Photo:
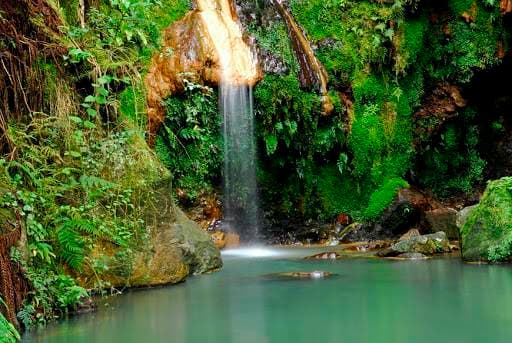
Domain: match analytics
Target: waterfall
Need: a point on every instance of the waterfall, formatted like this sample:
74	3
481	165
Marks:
240	191
238	73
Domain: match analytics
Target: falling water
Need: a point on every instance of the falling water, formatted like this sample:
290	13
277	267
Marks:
240	192
239	71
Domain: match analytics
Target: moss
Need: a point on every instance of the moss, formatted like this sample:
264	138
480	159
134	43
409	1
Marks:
383	197
487	233
132	104
340	193
354	40
50	75
70	11
471	46
380	140
410	42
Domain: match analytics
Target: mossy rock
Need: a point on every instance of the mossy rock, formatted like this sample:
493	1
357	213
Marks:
487	232
175	248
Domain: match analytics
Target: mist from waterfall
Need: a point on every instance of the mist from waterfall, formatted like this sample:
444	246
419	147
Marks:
239	72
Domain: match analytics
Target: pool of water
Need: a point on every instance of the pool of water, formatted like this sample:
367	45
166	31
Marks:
369	300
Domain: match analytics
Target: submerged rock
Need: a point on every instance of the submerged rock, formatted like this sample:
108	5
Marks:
317	274
426	244
486	229
324	256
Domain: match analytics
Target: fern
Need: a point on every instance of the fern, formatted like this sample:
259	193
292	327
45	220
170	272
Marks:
82	225
26	315
71	242
8	333
71	246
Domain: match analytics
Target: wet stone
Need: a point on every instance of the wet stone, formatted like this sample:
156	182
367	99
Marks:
314	275
324	256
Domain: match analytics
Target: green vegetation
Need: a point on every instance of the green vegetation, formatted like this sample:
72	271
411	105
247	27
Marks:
74	186
386	56
487	233
345	165
8	333
473	43
81	174
454	164
189	143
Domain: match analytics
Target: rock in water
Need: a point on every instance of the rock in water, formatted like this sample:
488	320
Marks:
487	228
324	256
318	274
314	275
175	248
426	244
410	234
462	216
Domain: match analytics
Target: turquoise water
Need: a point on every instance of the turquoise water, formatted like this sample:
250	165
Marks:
370	300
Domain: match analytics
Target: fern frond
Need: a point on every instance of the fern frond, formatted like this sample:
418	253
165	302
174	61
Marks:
71	247
81	225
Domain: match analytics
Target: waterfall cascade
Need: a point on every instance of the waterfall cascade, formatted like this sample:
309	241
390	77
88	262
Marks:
239	69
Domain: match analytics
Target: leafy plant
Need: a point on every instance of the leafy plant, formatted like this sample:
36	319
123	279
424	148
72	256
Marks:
189	143
8	333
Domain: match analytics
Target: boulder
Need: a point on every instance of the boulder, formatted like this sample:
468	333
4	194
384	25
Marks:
405	212
410	234
462	216
443	219
324	256
487	228
314	275
425	244
175	247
